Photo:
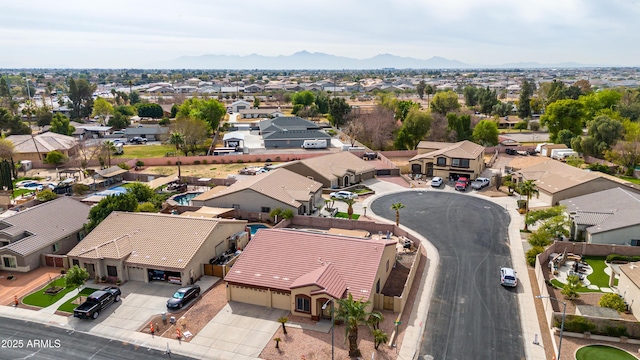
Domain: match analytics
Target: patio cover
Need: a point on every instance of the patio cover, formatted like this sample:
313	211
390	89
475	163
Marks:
156	183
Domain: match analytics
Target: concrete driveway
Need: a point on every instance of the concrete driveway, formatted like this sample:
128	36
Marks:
239	329
140	302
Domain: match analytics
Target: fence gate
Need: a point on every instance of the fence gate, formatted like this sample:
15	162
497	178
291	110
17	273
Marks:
387	303
208	269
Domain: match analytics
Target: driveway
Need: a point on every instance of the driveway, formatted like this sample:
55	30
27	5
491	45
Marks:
239	328
140	302
470	314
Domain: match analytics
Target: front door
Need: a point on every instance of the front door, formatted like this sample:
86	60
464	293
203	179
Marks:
416	168
326	312
91	269
429	169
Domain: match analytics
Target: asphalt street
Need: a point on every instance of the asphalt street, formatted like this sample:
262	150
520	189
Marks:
26	340
471	316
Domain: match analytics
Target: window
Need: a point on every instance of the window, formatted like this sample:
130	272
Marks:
378	287
56	247
112	270
236	206
387	266
303	304
9	262
75	262
461	163
81	235
265	209
442	161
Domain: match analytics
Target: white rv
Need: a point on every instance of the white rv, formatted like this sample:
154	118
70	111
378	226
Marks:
314	144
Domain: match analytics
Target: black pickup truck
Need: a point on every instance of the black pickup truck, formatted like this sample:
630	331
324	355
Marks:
96	302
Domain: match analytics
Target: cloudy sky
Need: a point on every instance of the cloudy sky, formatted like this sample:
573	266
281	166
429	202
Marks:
133	33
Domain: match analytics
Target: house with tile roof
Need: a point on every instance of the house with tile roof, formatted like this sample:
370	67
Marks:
299	271
285	132
557	181
629	280
54	227
279	188
138	246
260	113
447	160
37	147
605	217
335	170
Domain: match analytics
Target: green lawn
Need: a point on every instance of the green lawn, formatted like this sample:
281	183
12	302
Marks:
630	179
344	215
18	192
145	151
40	299
69	306
602	352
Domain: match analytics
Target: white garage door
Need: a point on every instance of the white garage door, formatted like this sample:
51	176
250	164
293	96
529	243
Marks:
136	273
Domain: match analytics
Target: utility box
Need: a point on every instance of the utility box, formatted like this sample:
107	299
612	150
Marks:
26	165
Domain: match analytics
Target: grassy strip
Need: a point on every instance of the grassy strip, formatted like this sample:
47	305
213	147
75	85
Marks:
145	151
630	179
598	277
69	305
40	299
597	352
344	215
583	289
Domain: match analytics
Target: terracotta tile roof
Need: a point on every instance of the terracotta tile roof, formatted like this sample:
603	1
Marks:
44	224
284	258
461	150
337	164
166	241
280	184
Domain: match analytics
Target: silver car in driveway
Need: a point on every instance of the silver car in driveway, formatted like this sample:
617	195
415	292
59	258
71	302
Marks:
436	181
343	195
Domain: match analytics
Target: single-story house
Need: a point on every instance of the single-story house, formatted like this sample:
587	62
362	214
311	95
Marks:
54	227
236	106
629	283
447	160
151	133
141	246
37	147
335	170
557	181
260	113
91	131
264	192
253	88
300	271
605	217
290	132
233	139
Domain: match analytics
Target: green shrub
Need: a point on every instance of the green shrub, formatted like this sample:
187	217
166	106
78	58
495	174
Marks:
196	162
540	237
616	257
599	167
532	253
139	163
124	166
577	324
240	161
612	301
214	161
616	331
277	158
635	258
332	132
204	161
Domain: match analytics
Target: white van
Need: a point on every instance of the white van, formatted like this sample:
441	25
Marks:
314	144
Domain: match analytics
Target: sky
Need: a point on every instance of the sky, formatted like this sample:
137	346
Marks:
135	33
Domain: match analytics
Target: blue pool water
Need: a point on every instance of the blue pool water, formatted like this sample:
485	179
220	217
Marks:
112	191
254	227
185	199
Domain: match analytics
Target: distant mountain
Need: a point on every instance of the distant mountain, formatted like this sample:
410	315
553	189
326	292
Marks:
321	61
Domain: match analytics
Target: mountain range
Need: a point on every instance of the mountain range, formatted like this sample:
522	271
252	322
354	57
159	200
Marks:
321	61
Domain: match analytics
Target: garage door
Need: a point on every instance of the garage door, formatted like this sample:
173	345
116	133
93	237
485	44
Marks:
136	273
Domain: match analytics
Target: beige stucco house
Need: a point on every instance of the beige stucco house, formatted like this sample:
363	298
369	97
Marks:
138	246
54	227
557	181
629	285
300	271
279	188
446	160
37	147
336	170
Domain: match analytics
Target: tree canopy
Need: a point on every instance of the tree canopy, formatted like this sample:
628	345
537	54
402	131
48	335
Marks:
413	129
81	96
120	202
210	111
486	133
150	110
563	114
445	102
102	108
60	124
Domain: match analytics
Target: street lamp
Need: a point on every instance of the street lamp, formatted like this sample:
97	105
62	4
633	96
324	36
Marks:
324	307
564	313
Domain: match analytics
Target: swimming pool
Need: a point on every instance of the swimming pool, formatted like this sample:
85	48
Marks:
185	199
255	227
117	190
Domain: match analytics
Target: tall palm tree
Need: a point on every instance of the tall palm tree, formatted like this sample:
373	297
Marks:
349	203
177	139
528	188
397	207
283	320
108	147
353	313
429	90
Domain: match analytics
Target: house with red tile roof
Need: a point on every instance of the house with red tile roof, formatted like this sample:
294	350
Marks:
300	270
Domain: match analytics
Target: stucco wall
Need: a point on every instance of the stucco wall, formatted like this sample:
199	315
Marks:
619	236
281	300
249	295
248	200
630	291
590	187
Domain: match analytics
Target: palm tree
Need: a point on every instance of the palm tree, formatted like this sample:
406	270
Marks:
429	90
379	337
528	188
108	147
353	313
282	321
277	340
397	207
177	139
349	203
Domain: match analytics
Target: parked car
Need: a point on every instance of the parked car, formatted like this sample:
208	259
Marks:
462	184
119	132
480	183
343	195
436	181
33	186
96	302
508	277
138	140
510	151
183	296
